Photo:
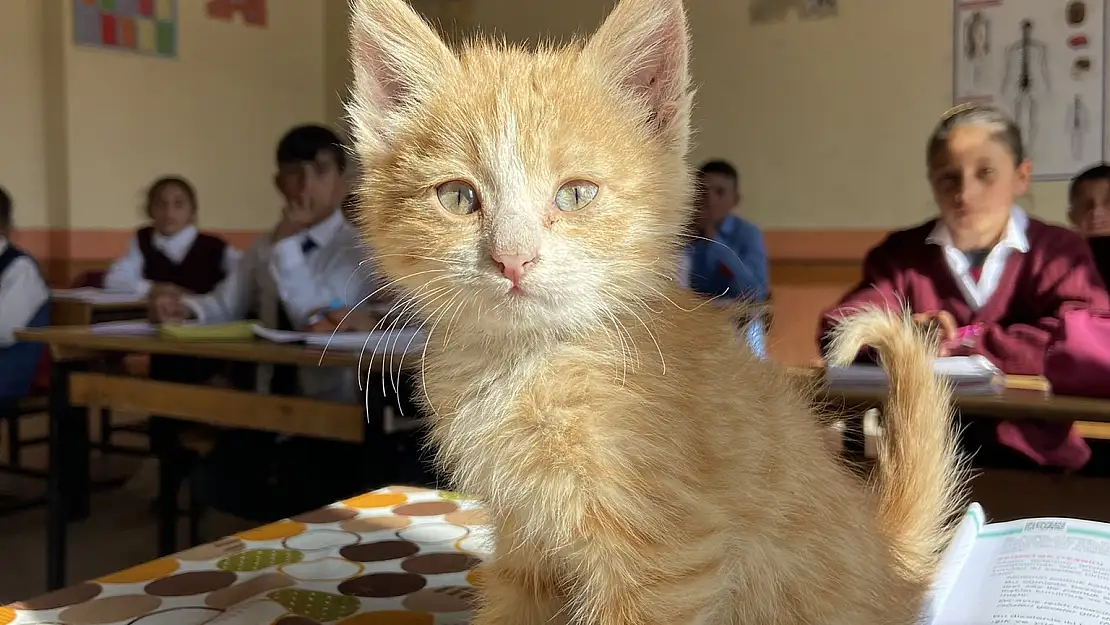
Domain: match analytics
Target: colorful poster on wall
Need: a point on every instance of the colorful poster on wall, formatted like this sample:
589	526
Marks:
251	12
1044	63
140	26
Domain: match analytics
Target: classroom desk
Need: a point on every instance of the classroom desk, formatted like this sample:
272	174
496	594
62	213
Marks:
1017	401
394	556
74	389
74	312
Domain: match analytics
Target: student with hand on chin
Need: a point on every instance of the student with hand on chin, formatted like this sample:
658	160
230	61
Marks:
290	278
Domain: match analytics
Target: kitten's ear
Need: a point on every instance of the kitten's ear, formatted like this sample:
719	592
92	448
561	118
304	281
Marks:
643	47
397	59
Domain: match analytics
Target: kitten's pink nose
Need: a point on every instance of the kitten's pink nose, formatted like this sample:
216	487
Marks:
513	266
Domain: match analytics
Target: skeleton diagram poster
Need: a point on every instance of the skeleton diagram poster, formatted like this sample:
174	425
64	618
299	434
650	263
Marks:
1044	62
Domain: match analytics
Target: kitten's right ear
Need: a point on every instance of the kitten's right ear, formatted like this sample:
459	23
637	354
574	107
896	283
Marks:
643	47
397	58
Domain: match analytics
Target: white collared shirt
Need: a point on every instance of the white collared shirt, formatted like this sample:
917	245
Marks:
126	273
977	293
22	294
274	274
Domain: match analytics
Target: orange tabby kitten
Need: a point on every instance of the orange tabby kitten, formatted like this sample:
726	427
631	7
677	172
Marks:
638	464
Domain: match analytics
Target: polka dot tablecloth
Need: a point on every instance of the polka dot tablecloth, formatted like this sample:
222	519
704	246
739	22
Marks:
397	556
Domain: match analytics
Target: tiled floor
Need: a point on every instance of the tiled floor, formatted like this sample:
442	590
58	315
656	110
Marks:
121	530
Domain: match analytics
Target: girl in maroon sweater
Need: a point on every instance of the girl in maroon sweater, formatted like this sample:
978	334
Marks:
993	280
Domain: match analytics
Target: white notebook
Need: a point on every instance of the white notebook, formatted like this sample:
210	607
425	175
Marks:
90	295
1046	571
406	340
966	374
124	328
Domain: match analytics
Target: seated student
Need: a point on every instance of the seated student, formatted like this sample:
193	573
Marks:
24	303
1089	212
170	251
310	260
727	258
991	279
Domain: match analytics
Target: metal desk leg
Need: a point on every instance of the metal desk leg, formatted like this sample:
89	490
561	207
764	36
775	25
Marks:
68	476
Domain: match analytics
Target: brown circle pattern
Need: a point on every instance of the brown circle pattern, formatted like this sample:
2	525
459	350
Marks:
195	583
368	524
110	609
381	585
472	516
234	595
380	551
295	620
62	598
426	508
326	515
440	563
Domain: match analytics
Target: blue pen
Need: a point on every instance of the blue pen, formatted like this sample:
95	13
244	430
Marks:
319	316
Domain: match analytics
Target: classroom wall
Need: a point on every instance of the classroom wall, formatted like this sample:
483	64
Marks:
85	130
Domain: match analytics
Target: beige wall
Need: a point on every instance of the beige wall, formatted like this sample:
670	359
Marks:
84	130
826	119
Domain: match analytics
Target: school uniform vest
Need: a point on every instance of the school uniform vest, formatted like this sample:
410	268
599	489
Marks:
20	361
199	272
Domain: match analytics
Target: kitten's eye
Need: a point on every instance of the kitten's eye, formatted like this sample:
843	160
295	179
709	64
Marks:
457	197
575	195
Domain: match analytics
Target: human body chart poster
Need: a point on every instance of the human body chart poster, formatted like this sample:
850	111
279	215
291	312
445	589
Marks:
1044	62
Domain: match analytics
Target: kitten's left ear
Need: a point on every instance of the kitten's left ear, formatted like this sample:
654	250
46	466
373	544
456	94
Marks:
397	59
643	46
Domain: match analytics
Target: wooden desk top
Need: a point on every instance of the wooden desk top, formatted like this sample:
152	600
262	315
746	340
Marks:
76	342
1017	401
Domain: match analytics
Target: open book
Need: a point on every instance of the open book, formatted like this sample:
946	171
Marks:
968	375
1026	572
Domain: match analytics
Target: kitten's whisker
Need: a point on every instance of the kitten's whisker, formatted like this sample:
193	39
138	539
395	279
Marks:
623	347
451	322
651	335
377	326
396	379
716	242
412	301
416	256
405	303
436	319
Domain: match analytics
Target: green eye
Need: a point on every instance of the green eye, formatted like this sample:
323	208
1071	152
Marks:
457	197
575	195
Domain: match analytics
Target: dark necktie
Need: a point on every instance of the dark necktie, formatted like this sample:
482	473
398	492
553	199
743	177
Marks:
284	379
975	261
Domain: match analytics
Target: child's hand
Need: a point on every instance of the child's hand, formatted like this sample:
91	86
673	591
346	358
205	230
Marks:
295	217
165	306
943	323
344	320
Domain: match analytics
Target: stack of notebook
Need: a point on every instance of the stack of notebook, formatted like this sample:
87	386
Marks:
968	375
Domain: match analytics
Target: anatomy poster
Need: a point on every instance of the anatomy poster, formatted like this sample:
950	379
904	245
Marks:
1044	62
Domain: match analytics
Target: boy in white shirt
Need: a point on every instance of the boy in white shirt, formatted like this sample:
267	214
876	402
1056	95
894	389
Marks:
310	261
24	302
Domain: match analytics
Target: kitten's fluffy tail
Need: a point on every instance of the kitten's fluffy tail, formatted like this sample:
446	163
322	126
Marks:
921	476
